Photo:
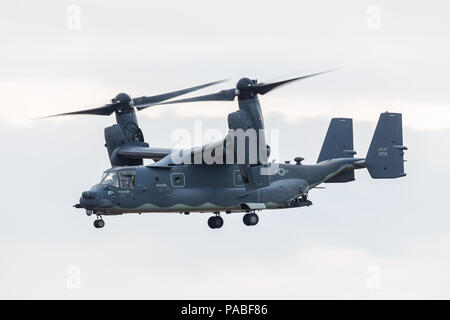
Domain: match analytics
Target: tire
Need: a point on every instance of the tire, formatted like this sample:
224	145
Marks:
218	222
100	223
253	219
211	223
250	219
246	219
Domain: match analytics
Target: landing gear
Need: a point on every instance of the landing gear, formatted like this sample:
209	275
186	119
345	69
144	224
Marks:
215	222
99	223
250	219
300	202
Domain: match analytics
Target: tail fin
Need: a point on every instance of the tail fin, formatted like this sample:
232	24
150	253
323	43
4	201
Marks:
338	143
385	156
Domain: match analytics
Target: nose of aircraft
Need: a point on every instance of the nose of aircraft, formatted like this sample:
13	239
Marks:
89	194
85	200
95	198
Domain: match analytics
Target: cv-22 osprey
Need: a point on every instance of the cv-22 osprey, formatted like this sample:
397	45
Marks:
233	174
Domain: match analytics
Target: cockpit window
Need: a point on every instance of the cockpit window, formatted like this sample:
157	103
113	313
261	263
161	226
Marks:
127	178
110	179
123	178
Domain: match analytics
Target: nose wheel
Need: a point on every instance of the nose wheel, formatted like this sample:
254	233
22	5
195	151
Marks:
250	219
99	223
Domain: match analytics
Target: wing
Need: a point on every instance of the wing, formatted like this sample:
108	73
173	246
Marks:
135	152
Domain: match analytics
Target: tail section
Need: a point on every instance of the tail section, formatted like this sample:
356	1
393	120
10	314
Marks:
338	143
385	156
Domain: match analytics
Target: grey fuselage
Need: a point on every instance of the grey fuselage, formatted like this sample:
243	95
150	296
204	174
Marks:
208	188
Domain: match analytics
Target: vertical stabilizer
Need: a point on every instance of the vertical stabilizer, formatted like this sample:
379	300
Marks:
385	156
338	143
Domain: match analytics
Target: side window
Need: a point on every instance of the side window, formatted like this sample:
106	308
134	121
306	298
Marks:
177	180
127	178
237	178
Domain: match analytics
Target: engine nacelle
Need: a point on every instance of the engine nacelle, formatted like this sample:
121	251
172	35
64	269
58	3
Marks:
116	137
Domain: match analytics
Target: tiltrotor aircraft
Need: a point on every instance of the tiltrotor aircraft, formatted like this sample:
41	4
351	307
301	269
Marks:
231	175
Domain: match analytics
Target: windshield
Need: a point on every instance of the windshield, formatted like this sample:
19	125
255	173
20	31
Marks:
124	178
110	179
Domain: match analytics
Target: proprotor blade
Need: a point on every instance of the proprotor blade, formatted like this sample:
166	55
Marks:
106	110
144	102
263	88
224	95
246	88
123	102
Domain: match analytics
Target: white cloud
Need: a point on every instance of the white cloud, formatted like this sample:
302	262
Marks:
324	251
23	100
318	271
416	115
419	116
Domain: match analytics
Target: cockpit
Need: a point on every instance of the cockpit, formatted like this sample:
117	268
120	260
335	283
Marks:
120	178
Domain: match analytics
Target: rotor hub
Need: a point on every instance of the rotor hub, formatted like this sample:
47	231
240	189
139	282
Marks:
244	83
243	88
122	98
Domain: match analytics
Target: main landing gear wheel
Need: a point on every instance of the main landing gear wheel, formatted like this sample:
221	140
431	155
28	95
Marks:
99	223
215	222
250	219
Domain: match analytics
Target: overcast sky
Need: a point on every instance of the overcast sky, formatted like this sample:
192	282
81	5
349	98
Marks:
364	239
